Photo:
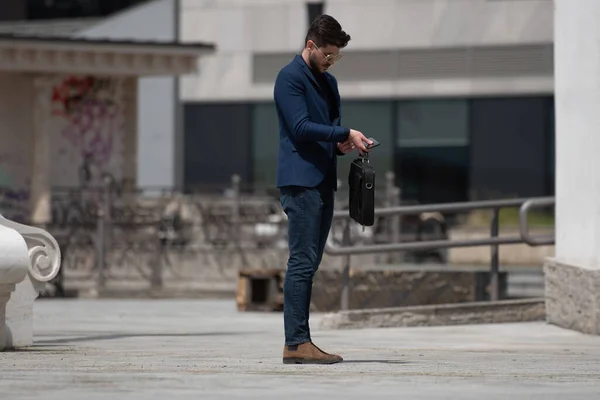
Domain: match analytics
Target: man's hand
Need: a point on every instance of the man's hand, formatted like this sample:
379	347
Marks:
358	141
346	147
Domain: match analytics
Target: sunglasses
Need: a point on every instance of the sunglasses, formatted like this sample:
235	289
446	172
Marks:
329	57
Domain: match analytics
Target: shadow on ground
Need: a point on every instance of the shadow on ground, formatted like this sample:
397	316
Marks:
114	336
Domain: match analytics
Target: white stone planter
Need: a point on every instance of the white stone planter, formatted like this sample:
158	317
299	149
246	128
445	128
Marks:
28	257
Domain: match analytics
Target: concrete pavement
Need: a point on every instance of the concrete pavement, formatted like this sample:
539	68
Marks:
191	349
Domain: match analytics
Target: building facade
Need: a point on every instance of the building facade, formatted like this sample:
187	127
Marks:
459	92
19	10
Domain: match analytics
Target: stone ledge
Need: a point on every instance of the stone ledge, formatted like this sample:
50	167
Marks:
572	296
488	312
389	286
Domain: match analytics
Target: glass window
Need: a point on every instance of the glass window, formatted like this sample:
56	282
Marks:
432	156
433	123
373	119
265	144
314	10
51	9
509	147
216	142
551	146
13	10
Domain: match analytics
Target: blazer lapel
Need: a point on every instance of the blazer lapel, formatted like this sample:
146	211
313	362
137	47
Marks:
333	89
307	70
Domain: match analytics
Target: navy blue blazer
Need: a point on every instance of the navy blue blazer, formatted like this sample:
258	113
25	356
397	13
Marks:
307	137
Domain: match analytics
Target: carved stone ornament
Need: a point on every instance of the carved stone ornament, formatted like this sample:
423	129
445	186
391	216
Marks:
44	252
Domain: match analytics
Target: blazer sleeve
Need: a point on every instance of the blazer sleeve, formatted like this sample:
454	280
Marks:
290	98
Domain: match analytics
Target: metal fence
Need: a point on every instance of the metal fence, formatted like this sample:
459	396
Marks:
493	241
117	233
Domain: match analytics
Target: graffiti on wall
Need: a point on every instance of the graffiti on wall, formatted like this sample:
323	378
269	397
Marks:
14	186
87	116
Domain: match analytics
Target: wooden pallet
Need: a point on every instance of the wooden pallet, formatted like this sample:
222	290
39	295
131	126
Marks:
260	290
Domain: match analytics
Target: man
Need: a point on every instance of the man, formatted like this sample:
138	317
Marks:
310	139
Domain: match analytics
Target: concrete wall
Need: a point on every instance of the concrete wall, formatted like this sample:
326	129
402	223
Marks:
90	123
157	109
399	48
383	24
16	132
408	49
102	126
88	134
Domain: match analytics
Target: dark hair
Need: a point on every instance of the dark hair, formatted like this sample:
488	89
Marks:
326	31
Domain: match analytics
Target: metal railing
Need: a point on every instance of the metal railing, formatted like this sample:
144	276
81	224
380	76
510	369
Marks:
494	241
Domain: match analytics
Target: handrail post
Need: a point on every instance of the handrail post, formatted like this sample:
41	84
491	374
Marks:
495	257
345	294
236	206
524	225
103	230
392	222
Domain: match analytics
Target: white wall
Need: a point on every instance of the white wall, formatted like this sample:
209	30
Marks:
577	58
158	135
243	28
435	23
238	28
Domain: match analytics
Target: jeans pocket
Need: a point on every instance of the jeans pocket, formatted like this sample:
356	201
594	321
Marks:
289	194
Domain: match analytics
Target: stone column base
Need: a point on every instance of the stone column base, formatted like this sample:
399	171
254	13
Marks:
5	334
572	297
19	314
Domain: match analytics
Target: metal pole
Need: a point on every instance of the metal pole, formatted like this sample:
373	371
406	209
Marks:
495	259
101	250
103	229
393	222
178	112
396	223
345	295
236	205
156	264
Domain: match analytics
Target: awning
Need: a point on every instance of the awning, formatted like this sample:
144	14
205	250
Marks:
44	54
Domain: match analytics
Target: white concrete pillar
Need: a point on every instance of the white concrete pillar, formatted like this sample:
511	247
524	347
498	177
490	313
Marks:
573	276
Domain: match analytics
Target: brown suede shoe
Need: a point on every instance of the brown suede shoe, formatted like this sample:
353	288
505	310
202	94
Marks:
308	353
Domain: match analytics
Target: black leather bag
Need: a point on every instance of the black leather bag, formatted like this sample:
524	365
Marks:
361	182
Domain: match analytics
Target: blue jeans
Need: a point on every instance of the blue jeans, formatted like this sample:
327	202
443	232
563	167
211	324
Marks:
309	212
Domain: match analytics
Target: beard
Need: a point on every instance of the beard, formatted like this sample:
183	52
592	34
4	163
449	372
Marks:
314	64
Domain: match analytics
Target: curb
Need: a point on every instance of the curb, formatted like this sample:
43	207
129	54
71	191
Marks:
488	312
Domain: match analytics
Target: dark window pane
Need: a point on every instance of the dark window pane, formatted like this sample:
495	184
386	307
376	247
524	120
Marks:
551	146
373	119
433	123
217	143
433	174
509	147
265	144
50	9
314	10
13	10
432	157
